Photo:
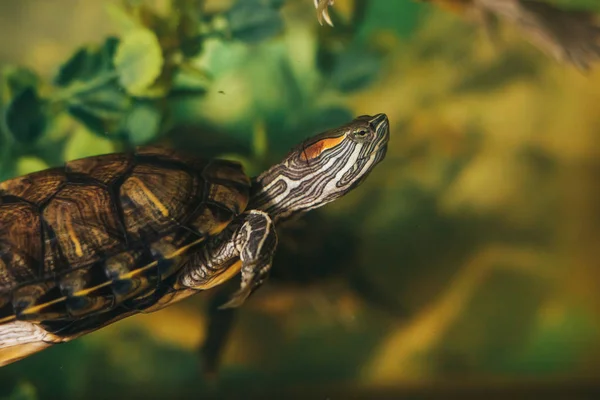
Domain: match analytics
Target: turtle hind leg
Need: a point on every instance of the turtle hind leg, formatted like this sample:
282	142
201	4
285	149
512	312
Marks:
218	332
256	241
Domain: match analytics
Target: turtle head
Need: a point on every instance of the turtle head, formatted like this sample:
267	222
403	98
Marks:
322	168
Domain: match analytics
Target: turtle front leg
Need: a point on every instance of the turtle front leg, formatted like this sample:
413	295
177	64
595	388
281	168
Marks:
256	241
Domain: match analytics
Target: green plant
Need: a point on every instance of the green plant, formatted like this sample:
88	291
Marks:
134	88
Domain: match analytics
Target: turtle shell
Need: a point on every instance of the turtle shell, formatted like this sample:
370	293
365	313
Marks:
104	235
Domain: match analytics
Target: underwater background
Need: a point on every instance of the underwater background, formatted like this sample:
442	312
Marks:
467	264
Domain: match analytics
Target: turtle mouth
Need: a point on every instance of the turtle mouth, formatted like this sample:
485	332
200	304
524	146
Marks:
377	155
380	154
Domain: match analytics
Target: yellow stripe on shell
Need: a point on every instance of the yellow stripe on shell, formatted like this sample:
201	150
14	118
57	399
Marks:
88	291
161	207
138	271
72	234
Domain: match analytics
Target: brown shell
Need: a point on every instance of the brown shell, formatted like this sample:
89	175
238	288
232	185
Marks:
104	234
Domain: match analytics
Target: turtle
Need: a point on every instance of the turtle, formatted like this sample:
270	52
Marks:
102	238
569	36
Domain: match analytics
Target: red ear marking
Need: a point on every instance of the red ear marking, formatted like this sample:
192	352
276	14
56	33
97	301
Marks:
314	150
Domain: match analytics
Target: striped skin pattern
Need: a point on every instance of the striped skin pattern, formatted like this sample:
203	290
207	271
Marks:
316	172
136	232
301	183
247	245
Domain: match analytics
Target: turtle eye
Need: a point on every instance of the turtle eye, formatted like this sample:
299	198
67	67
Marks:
361	134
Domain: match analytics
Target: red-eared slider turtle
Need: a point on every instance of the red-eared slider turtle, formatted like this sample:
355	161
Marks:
568	36
106	237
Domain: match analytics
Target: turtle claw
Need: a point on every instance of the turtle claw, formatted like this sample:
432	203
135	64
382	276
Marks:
322	7
256	241
238	298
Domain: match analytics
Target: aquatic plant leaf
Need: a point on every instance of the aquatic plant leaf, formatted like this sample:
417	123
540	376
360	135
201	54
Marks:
15	79
101	109
82	63
108	101
87	62
186	19
138	61
24	116
95	123
143	124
